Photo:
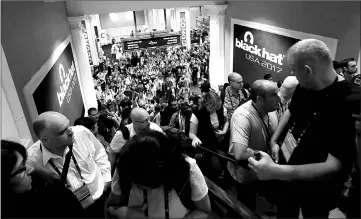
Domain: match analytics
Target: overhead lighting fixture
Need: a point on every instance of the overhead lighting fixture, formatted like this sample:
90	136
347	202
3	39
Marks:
113	17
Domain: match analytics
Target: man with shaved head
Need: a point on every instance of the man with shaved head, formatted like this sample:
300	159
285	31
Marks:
88	173
140	123
233	94
321	128
252	126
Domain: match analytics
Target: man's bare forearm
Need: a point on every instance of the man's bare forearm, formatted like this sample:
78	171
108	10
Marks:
308	171
281	127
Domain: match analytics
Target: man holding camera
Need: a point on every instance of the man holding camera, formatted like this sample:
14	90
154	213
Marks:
252	126
322	127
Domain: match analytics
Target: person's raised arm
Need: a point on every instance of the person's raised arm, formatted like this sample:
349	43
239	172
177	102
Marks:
279	135
193	130
115	146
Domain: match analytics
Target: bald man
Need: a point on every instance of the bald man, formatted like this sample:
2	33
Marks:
320	120
233	94
140	123
252	126
89	168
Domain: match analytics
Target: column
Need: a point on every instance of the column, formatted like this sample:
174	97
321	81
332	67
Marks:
91	39
12	110
217	51
81	58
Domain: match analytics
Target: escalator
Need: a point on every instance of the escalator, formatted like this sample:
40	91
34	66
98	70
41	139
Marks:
224	203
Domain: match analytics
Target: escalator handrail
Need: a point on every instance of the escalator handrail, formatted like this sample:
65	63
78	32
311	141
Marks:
230	158
231	201
217	154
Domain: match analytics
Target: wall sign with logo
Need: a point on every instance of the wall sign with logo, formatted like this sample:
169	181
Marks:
55	87
257	52
258	49
153	42
183	27
87	44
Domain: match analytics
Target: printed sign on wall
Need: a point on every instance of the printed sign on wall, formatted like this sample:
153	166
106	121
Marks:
153	42
183	28
87	44
60	91
257	52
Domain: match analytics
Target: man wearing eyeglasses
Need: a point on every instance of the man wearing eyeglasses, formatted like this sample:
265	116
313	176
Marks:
349	67
233	94
140	123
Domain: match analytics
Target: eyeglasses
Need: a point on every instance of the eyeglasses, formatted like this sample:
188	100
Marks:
21	170
145	121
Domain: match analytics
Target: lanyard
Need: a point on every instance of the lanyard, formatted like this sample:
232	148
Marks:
75	162
264	124
166	202
58	171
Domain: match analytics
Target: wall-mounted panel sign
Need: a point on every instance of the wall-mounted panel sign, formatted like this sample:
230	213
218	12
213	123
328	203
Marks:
87	43
153	42
55	87
183	27
257	52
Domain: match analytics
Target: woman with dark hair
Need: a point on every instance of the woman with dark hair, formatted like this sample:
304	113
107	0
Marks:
25	195
209	127
155	179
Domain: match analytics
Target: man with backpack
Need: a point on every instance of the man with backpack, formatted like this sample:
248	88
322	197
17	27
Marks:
140	123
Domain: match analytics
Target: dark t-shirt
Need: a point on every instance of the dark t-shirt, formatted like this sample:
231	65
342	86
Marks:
330	131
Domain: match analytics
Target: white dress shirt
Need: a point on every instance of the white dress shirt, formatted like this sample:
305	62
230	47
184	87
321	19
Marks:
90	156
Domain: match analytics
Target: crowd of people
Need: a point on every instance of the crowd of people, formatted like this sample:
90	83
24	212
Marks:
146	150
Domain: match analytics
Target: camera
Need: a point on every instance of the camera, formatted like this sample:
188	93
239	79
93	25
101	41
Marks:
257	155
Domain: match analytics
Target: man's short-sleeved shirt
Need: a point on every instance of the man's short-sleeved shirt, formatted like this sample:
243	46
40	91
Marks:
118	141
232	101
199	190
248	130
331	130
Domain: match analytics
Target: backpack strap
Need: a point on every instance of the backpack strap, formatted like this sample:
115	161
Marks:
125	132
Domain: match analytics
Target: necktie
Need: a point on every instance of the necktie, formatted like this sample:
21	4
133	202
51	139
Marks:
66	165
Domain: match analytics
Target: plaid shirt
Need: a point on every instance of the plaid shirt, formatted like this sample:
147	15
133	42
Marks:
232	101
